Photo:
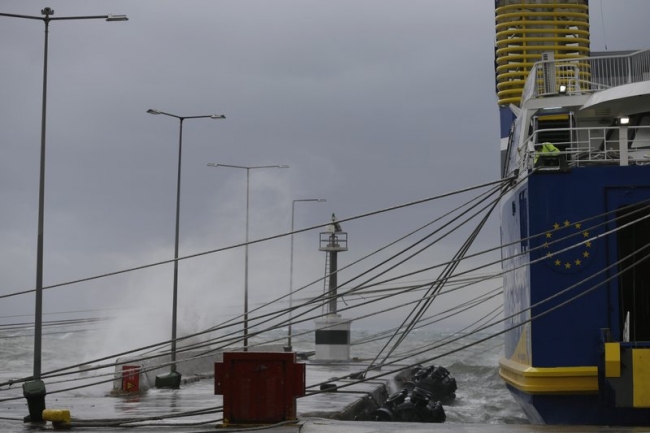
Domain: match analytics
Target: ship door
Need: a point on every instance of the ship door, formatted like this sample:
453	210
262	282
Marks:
556	128
634	284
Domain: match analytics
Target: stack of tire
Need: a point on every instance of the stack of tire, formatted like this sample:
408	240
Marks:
420	399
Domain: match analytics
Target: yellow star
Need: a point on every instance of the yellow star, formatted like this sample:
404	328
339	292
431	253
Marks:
578	226
549	235
577	262
588	244
556	226
585	254
545	244
557	262
566	223
549	254
567	265
585	234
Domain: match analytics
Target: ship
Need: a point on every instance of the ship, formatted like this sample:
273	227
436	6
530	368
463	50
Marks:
575	224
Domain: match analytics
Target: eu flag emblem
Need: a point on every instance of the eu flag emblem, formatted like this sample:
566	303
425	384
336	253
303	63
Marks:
568	246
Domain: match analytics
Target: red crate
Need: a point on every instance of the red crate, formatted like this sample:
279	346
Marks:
259	387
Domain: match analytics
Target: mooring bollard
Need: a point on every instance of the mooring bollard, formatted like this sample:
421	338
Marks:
34	392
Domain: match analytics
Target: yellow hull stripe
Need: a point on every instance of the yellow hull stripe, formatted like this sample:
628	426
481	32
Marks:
556	380
612	360
641	375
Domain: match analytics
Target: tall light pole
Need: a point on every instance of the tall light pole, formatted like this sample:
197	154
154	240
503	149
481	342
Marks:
33	390
248	171
293	212
173	380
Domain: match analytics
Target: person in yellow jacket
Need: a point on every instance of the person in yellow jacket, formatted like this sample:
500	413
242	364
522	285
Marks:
546	149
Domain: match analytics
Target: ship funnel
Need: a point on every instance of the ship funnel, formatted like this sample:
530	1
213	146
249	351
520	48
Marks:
527	30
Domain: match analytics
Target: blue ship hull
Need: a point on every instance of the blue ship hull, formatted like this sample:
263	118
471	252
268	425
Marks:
576	410
563	289
575	222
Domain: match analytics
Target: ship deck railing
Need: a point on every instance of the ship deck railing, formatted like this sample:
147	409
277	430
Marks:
591	147
584	75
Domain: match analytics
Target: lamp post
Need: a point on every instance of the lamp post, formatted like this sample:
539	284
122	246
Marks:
248	171
174	378
293	212
35	388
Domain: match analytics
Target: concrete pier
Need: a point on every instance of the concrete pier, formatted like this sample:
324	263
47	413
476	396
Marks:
326	412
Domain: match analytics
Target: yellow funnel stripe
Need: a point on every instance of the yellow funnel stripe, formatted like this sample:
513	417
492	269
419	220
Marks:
581	65
504	34
507	101
527	14
543	48
516	92
576	24
524	40
533	58
554	4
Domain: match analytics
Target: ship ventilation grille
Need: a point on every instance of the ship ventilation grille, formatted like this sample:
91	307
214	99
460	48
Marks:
603	112
549	72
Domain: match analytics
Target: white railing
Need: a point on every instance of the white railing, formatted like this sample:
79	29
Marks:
586	75
593	146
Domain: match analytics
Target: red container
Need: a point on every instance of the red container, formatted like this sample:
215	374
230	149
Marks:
259	387
131	378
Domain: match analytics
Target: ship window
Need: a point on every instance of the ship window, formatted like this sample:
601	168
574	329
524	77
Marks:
512	153
523	220
640	137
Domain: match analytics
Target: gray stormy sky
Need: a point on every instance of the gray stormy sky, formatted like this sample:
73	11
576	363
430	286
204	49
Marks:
372	103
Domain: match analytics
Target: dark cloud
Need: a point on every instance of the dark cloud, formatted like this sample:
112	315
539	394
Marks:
371	103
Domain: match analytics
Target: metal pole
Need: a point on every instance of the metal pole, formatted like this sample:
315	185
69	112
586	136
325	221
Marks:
34	390
178	207
38	313
248	172
248	169
333	279
293	208
173	380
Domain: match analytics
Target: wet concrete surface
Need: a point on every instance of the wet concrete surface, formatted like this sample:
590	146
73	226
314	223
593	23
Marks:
94	410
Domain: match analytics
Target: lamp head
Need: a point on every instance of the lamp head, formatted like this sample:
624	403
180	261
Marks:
152	111
47	11
116	18
217	116
283	166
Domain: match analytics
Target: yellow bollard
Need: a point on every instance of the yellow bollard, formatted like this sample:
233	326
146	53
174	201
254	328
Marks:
60	418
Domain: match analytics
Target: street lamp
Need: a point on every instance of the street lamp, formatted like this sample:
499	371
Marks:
248	171
293	211
34	390
173	380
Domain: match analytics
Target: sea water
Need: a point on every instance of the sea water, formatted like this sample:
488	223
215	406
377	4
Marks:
482	396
